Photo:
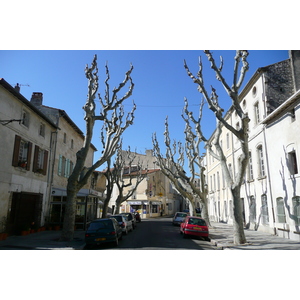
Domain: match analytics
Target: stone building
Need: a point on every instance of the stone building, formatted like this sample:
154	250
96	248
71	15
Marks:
67	140
26	151
270	194
154	196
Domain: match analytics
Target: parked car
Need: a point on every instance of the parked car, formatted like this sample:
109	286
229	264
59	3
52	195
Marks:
102	231
125	224
130	217
194	226
179	217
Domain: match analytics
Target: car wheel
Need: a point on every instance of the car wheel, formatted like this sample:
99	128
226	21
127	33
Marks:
207	239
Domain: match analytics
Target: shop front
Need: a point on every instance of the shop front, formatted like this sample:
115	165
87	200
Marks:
88	207
146	208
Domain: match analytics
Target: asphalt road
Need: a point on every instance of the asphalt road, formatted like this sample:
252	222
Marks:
158	234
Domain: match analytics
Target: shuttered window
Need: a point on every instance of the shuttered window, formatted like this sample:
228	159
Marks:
40	160
22	153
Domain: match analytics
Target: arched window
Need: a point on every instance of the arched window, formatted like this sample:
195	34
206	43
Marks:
280	210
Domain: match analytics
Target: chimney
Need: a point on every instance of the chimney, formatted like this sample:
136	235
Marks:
17	88
37	99
295	62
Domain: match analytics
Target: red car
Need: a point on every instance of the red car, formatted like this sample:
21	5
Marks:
194	226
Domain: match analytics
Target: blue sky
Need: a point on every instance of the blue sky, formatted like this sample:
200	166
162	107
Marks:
161	83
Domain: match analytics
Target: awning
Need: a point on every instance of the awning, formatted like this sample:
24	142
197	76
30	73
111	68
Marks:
156	202
134	202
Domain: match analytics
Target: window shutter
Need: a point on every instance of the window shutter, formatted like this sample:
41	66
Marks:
35	158
67	168
45	164
59	165
15	159
29	156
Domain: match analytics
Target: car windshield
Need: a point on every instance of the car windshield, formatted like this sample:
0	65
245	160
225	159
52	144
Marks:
181	215
100	225
199	222
118	218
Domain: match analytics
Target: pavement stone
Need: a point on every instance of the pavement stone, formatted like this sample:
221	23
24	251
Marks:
44	240
221	235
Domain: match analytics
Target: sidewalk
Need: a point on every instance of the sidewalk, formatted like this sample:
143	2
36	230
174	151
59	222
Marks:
222	237
44	240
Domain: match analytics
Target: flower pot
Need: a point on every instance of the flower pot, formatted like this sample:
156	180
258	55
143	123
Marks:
32	231
25	232
57	227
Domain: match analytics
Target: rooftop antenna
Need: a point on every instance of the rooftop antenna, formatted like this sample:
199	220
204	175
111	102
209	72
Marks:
18	86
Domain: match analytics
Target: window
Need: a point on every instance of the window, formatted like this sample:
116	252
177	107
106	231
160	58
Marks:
72	144
227	140
214	182
218	181
230	171
250	168
65	138
280	210
42	130
65	166
25	118
40	160
264	210
292	113
256	112
296	209
252	209
261	164
254	91
292	163
22	153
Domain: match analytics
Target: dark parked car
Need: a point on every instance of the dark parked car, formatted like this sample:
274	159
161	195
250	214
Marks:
102	231
130	217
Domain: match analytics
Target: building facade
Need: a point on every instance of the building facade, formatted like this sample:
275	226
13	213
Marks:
26	152
154	196
269	203
66	142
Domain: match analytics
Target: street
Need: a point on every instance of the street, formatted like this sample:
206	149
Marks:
158	234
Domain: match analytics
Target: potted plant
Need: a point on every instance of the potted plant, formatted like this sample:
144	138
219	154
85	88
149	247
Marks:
3	234
25	230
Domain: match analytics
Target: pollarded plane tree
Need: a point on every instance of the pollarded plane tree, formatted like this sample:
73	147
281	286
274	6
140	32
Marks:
214	148
191	188
127	176
111	114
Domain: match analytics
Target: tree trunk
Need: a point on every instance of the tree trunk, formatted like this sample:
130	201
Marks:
117	208
238	223
204	213
69	218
